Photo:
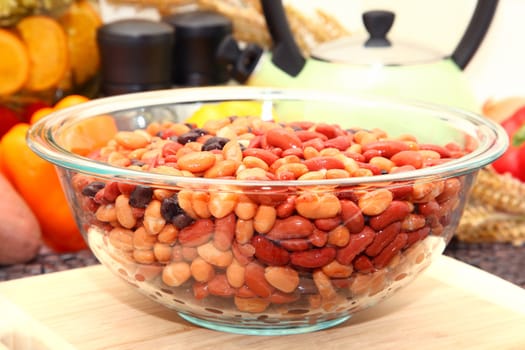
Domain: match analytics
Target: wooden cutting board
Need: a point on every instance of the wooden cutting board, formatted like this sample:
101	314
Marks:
451	306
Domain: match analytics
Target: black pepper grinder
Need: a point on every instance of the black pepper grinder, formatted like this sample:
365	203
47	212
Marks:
197	37
136	55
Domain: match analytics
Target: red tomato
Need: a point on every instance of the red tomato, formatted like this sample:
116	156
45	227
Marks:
513	160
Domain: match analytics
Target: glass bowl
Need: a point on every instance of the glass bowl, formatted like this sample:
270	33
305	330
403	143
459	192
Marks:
316	207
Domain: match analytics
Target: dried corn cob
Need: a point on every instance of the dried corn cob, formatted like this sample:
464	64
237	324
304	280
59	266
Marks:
501	192
483	223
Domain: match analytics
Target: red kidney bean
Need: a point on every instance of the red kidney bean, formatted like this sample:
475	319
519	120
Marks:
413	158
197	233
224	232
316	143
255	142
267	156
428	209
383	238
451	189
291	227
286	208
219	286
400	191
386	148
381	260
318	163
245	292
170	149
306	135
396	211
371	153
200	290
295	244
254	279
328	224
279	297
111	192
330	131
268	252
357	244
339	142
418	235
313	258
318	238
283	138
363	264
298	152
443	152
352	216
374	169
358	157
243	253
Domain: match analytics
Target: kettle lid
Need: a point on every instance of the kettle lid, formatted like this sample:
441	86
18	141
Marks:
376	49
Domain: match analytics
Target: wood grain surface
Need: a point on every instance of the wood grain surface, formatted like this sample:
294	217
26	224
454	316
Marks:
452	305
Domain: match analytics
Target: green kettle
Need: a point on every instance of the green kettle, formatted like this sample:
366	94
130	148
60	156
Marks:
372	65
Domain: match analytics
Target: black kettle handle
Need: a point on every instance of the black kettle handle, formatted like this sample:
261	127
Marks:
287	55
475	32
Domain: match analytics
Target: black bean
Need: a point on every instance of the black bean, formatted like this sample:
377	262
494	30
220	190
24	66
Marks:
169	208
180	221
91	189
140	197
191	135
215	142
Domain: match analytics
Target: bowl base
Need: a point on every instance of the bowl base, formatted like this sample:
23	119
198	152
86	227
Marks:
253	330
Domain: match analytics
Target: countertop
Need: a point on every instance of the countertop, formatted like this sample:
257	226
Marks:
448	306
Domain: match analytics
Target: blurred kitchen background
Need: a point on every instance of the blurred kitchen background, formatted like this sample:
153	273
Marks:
496	70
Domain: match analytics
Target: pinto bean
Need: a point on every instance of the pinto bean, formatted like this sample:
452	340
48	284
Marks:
176	273
222	203
124	212
153	220
201	270
375	202
235	274
264	219
214	256
282	278
244	231
339	236
251	305
317	206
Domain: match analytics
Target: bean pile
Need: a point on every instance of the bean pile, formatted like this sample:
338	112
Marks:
260	247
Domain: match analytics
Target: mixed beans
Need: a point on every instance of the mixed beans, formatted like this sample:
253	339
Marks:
267	246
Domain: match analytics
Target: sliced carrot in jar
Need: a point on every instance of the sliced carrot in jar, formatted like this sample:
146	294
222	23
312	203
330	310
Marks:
80	23
14	64
87	135
47	47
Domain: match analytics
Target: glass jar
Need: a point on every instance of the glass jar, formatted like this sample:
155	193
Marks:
48	50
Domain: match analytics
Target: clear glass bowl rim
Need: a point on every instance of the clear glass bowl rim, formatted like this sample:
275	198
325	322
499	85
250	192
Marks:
41	140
